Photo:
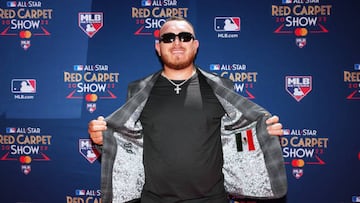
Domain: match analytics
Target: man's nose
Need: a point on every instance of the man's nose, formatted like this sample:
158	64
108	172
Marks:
177	40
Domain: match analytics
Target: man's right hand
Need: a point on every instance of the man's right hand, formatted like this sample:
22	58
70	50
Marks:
96	128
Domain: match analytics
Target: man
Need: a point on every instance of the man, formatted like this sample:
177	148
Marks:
182	130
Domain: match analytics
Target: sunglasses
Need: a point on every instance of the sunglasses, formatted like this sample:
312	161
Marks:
170	37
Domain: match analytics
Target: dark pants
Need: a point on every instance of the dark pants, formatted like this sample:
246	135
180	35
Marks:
281	200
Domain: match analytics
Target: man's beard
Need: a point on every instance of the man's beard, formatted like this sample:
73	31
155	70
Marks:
178	65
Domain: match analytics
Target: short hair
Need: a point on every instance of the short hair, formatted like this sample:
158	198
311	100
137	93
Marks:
177	18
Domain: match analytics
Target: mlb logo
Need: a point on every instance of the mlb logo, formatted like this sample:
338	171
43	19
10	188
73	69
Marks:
90	22
286	131
10	130
300	42
26	169
23	86
355	198
11	4
298	86
356	66
78	67
297	172
214	66
80	192
25	44
91	107
286	1
222	24
145	2
87	150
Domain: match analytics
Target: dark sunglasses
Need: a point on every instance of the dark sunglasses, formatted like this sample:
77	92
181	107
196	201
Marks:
170	37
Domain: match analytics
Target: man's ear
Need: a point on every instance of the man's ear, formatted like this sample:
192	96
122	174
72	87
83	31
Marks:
197	43
157	48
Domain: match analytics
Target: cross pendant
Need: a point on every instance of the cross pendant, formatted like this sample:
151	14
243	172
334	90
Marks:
177	89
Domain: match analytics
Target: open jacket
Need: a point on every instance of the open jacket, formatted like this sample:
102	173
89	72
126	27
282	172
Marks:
253	160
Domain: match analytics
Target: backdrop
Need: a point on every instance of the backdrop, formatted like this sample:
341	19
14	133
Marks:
66	62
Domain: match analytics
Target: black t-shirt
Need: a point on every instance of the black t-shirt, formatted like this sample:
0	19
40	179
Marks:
182	145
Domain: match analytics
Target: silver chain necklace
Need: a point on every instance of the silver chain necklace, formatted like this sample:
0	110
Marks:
178	86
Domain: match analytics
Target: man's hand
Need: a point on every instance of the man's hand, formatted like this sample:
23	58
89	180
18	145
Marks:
96	128
274	127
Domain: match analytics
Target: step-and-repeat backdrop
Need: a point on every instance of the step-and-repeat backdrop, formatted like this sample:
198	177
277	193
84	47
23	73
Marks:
66	62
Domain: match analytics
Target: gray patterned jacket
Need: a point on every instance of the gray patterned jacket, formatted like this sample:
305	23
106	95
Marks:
253	161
